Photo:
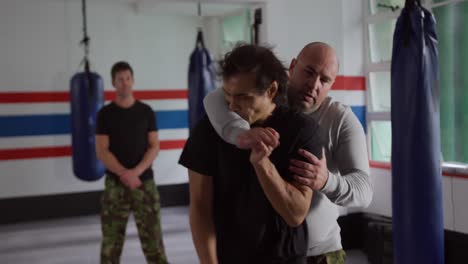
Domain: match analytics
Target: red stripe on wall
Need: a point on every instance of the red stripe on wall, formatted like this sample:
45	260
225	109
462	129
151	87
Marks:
172	144
388	166
63	151
380	165
56	97
34	153
148	95
350	83
455	175
34	97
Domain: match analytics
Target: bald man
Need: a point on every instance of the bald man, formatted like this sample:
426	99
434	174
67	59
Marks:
341	177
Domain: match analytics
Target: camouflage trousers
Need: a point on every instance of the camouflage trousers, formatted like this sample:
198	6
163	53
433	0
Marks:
116	204
334	257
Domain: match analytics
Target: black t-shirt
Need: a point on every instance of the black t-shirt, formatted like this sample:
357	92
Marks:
248	229
128	130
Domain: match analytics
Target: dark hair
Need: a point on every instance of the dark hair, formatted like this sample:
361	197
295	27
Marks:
261	61
120	66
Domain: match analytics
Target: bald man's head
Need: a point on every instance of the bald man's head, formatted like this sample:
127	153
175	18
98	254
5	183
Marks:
320	48
312	74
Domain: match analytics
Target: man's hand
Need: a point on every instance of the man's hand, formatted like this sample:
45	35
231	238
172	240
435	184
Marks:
252	137
313	173
131	178
260	152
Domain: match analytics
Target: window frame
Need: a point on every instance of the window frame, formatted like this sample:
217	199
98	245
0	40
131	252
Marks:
448	168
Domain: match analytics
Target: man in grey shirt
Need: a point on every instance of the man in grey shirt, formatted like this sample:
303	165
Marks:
341	177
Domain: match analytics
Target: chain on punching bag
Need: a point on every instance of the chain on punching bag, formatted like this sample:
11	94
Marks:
86	98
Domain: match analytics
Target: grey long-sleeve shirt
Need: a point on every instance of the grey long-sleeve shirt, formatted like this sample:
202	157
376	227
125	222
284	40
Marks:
348	183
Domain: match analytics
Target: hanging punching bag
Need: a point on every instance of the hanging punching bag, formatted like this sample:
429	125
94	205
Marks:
201	77
416	158
87	97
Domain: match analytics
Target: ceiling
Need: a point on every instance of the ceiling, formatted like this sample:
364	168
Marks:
182	7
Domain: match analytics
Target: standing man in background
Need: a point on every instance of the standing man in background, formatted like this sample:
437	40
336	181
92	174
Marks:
341	176
127	143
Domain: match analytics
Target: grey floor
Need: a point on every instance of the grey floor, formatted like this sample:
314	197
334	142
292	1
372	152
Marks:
77	241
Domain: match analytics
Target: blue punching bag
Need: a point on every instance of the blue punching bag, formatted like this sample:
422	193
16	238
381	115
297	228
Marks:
87	97
416	158
202	76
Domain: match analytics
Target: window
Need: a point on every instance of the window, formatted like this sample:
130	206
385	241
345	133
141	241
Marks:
452	24
381	140
381	39
452	31
235	28
381	16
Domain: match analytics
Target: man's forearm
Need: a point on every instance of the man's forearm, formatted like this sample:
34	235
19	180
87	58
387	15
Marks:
353	185
110	162
203	235
290	201
148	159
353	189
227	124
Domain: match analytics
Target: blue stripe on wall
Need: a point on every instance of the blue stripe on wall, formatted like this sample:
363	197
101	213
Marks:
37	125
34	125
360	112
172	119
